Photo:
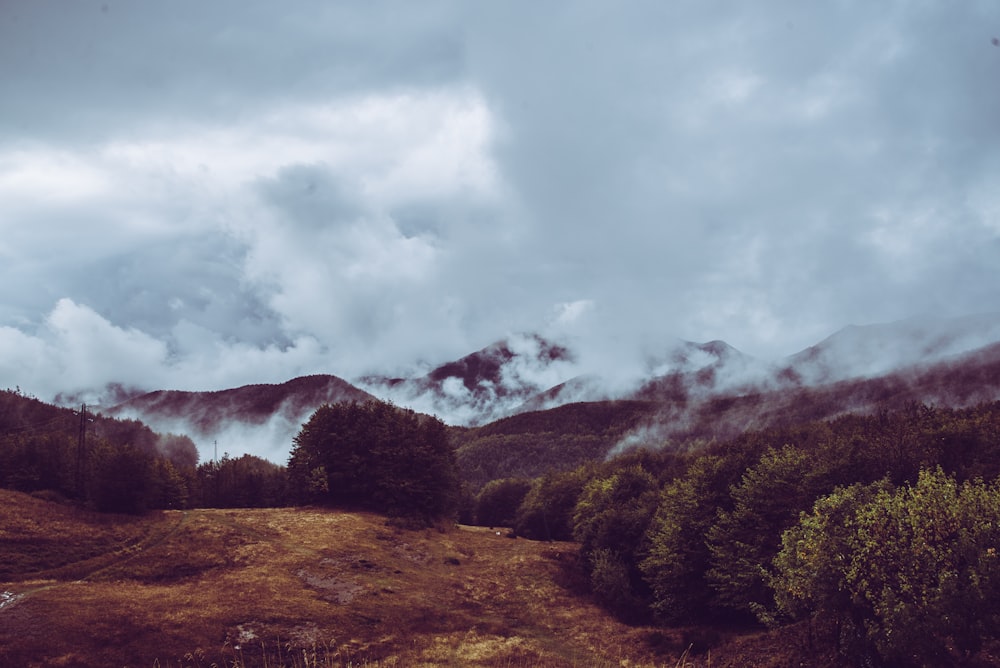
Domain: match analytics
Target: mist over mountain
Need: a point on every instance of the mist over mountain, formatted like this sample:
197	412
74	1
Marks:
482	386
940	361
959	381
690	391
259	419
872	350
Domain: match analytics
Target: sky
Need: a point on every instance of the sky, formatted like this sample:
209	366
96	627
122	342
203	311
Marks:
204	195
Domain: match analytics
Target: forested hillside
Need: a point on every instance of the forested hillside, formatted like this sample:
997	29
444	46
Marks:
880	529
210	412
539	442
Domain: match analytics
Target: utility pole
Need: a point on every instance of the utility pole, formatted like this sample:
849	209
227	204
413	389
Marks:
81	447
218	472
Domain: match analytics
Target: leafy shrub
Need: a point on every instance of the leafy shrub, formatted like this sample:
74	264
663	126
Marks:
677	554
613	585
744	540
610	520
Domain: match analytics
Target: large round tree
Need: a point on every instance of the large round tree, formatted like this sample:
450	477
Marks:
378	457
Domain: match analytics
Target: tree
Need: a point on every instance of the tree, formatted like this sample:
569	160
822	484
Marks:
376	457
677	554
924	561
179	449
169	488
810	571
610	520
744	540
499	500
244	482
547	510
811	566
915	571
120	481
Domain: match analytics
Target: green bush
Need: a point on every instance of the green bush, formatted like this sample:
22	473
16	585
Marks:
609	521
677	556
744	540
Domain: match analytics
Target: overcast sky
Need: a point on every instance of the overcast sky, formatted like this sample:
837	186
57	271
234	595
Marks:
198	195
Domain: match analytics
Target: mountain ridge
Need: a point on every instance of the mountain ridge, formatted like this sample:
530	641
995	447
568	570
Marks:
690	384
277	408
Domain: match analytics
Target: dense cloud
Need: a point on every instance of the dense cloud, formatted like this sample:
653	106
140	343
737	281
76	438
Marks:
198	196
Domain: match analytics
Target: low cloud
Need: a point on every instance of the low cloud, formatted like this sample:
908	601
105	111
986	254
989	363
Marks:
242	193
76	352
76	349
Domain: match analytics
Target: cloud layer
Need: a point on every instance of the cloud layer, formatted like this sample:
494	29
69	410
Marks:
200	196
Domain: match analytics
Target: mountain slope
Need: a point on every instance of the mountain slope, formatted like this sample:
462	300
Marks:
693	391
531	444
266	416
873	350
27	422
955	382
483	385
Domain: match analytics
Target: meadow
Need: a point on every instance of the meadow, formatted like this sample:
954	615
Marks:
297	587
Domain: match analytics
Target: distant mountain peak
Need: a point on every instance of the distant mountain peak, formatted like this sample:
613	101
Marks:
485	384
486	366
869	350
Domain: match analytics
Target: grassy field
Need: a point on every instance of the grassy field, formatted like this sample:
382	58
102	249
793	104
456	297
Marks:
302	587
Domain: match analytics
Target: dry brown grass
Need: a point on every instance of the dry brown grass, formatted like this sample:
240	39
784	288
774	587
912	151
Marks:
295	587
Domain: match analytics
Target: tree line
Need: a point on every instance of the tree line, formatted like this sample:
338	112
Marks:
123	466
370	455
881	532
